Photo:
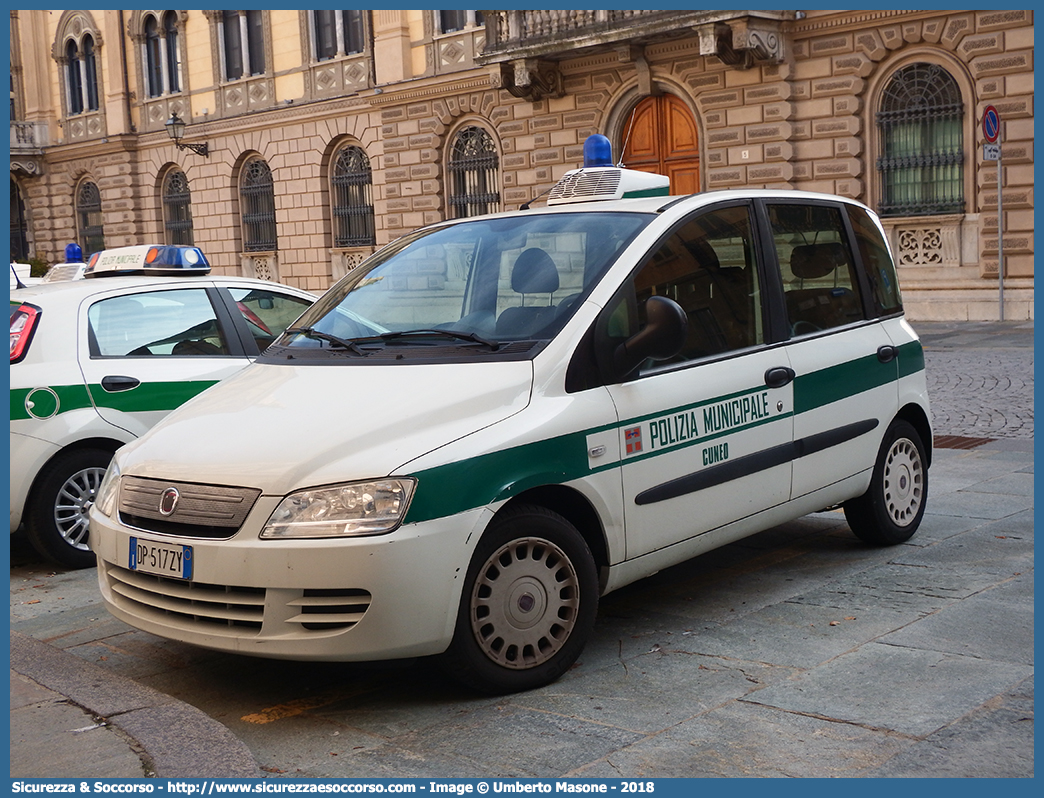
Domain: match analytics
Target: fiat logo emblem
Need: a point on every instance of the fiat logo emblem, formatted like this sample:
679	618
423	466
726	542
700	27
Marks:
169	501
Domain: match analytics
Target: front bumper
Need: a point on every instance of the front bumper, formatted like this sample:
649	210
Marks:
353	599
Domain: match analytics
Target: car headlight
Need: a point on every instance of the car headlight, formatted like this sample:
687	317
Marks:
105	499
352	509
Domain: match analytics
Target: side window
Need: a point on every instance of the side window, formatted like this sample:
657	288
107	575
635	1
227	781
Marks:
819	277
708	267
880	269
169	323
267	313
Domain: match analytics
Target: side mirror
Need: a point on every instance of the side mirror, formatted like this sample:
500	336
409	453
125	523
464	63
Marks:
663	337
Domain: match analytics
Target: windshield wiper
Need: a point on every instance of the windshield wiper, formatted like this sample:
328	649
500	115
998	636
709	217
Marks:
460	336
311	332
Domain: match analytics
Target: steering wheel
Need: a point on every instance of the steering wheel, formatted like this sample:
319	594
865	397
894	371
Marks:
803	327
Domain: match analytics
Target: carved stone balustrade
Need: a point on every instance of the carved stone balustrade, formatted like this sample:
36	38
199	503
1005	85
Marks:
523	47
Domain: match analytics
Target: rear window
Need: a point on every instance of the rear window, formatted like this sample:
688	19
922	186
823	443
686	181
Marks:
880	269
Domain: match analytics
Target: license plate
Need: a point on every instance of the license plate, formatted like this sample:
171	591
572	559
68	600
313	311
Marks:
162	559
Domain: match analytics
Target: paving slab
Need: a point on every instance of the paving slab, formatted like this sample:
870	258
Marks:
980	627
994	741
649	693
750	741
892	688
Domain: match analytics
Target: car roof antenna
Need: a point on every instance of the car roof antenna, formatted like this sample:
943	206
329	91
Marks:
18	280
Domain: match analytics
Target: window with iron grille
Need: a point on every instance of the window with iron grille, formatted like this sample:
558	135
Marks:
351	183
921	122
473	168
89	219
257	200
177	209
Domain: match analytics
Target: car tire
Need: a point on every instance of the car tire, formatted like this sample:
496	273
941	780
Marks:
892	507
528	605
56	523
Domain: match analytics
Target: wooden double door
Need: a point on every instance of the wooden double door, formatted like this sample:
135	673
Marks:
664	139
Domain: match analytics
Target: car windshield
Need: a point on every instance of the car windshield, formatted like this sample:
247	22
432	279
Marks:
482	282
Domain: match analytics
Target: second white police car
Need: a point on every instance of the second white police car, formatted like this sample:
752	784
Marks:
95	362
496	420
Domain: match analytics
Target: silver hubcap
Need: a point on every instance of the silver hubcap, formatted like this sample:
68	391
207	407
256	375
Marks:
74	500
903	482
524	603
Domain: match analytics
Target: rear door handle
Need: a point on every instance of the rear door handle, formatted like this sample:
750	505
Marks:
887	353
114	384
779	376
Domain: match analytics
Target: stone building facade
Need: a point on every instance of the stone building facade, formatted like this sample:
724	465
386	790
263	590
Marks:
328	134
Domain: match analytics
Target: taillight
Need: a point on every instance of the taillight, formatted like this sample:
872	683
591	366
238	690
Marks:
24	321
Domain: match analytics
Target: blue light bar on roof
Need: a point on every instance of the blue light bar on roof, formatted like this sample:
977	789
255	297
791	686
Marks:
598	151
158	259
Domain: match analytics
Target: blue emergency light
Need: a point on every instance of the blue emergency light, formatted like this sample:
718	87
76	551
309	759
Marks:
598	151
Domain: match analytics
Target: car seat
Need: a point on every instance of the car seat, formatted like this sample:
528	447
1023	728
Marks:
534	272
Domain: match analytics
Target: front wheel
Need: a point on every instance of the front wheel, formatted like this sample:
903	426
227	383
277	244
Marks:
56	522
528	605
892	507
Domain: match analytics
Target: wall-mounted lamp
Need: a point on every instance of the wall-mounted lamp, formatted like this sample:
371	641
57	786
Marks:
176	129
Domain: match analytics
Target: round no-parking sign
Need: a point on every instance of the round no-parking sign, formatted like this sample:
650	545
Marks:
991	124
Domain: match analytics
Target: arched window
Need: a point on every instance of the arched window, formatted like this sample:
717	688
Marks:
76	44
337	33
473	168
73	78
351	184
170	33
257	200
89	231
177	208
19	226
243	37
921	162
153	57
162	65
90	66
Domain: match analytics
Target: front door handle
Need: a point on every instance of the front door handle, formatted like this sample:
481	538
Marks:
779	376
887	353
114	384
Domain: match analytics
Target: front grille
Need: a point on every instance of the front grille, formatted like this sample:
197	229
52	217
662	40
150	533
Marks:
331	609
207	607
196	602
207	511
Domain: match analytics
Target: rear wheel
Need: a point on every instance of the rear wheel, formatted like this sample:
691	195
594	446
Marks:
528	605
892	507
56	522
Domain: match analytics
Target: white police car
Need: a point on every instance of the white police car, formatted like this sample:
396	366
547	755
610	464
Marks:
96	362
495	420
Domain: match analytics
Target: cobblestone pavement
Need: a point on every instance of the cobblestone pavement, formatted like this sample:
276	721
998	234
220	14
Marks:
980	378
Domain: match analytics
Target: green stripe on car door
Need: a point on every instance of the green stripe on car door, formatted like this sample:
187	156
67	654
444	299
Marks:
150	396
54	400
